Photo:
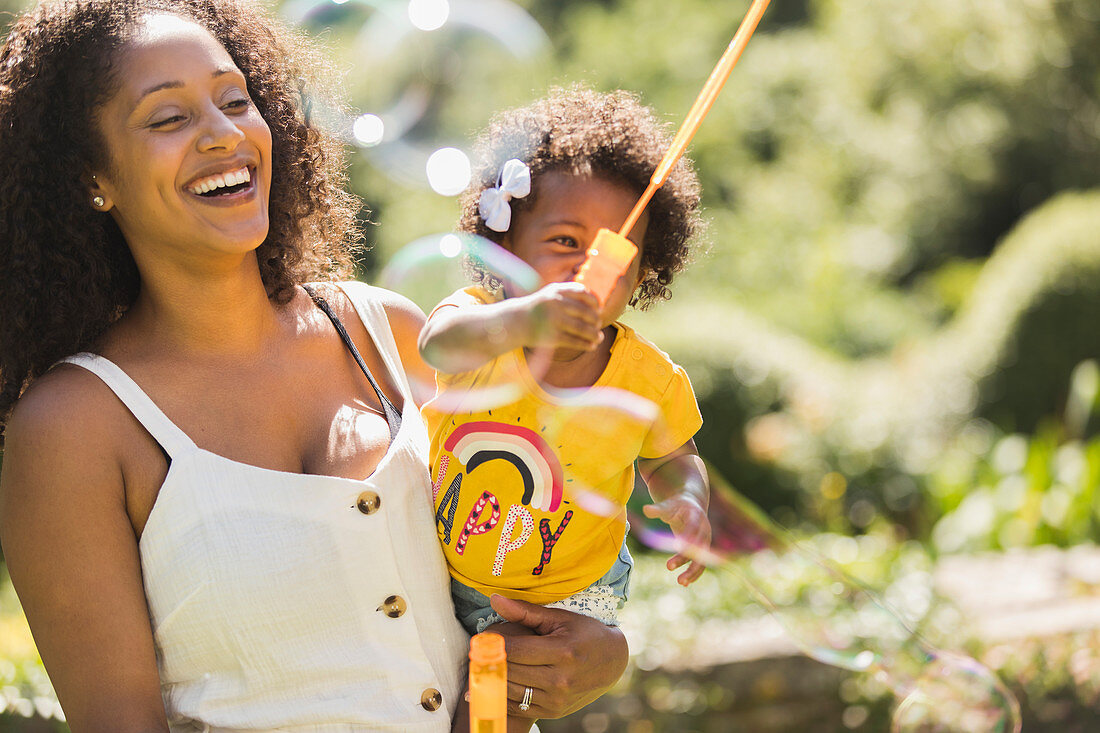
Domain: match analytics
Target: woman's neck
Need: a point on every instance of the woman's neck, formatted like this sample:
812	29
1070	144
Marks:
225	314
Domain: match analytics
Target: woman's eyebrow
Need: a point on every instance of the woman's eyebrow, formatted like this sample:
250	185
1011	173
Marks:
177	84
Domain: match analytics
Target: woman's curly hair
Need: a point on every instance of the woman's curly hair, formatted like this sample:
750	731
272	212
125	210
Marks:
586	133
66	273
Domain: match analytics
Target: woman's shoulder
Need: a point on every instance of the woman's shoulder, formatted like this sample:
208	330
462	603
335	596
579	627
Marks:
404	316
393	302
359	293
68	411
66	442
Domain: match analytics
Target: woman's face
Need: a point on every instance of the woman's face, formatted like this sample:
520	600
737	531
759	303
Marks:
189	156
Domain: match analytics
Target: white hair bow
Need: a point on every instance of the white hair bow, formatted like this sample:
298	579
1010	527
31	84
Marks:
515	182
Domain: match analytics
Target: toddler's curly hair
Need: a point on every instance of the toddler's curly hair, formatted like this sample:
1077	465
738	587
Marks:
611	135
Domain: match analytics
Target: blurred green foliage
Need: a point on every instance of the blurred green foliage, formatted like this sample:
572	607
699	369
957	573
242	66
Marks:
998	491
1006	359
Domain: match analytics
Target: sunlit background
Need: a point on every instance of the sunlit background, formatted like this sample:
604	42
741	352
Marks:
893	325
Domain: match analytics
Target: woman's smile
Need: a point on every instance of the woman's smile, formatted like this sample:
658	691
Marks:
232	188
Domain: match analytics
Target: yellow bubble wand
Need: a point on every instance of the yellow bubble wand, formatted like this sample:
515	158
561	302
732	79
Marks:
611	254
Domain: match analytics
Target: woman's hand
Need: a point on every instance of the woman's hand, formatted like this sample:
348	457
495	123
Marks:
569	661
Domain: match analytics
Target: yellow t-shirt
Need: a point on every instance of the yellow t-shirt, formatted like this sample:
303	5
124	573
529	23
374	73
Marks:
530	486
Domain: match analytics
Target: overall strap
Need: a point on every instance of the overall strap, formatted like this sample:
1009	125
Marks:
393	416
173	440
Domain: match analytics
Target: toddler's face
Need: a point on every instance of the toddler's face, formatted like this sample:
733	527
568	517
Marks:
553	235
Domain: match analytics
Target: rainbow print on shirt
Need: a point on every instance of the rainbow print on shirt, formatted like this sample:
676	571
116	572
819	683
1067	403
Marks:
476	443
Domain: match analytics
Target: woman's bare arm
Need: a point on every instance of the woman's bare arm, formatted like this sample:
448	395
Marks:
73	557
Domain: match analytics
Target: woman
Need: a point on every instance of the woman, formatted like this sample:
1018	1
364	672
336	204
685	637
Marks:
217	515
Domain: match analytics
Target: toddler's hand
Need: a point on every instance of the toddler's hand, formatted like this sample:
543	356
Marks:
689	523
564	316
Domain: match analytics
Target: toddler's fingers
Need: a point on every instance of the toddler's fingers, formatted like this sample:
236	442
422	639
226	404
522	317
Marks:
574	340
677	561
583	327
581	313
653	511
580	292
692	574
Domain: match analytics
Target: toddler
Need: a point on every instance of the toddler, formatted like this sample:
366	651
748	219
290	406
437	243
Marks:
536	514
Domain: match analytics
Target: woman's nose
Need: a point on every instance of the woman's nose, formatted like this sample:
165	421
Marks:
220	132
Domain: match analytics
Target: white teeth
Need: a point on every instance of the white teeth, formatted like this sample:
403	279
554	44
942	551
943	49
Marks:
224	180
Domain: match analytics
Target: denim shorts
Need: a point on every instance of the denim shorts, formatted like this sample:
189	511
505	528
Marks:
600	600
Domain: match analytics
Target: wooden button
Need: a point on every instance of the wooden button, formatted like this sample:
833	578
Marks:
431	700
394	606
369	502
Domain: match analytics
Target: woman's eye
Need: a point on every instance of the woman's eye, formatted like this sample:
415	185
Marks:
237	104
167	121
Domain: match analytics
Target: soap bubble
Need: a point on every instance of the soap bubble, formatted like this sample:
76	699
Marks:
428	15
434	266
448	171
953	693
368	130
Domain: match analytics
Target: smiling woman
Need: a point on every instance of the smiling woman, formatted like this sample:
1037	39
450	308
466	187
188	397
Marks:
179	124
57	68
215	504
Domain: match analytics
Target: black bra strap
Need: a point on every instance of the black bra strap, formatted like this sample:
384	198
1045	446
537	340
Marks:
393	415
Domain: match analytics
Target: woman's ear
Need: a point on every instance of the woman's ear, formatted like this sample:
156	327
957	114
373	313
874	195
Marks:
97	196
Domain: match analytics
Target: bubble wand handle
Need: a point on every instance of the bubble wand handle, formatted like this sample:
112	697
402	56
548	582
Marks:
699	110
488	684
610	254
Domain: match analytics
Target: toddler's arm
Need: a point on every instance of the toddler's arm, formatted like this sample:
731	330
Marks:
559	315
679	486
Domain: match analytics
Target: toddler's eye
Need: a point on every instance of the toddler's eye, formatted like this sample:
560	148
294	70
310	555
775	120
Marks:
567	242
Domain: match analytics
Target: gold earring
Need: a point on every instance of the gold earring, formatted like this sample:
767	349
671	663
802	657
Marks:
98	202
